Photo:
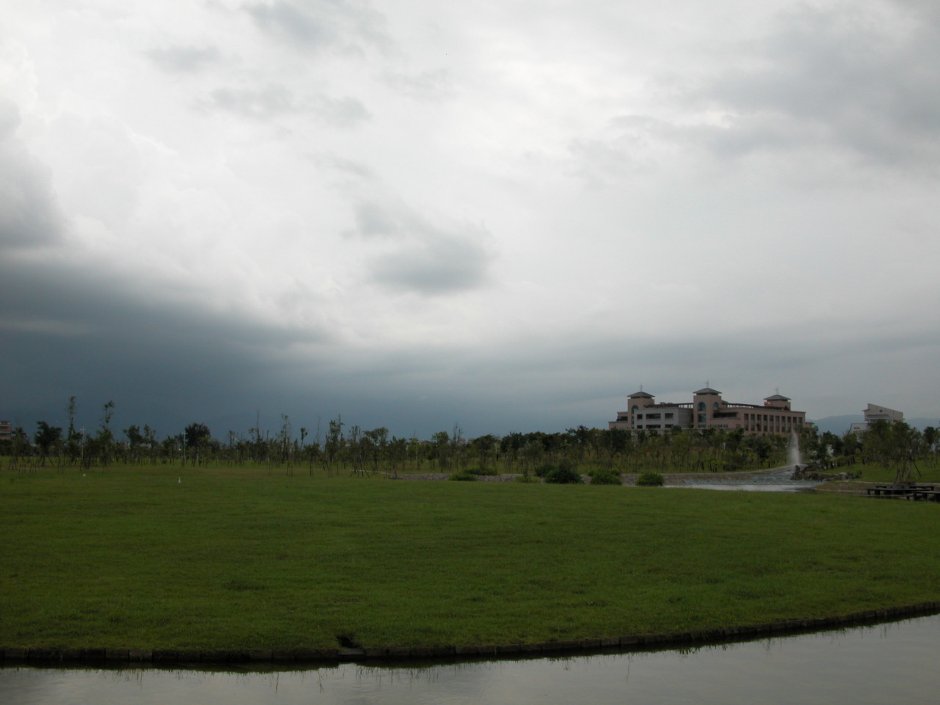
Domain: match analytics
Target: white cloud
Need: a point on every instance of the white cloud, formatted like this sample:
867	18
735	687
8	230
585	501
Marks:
345	27
184	58
29	214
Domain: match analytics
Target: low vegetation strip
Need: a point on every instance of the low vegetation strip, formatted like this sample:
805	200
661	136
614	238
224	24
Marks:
171	561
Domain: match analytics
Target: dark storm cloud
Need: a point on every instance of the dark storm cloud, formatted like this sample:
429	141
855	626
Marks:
29	216
419	256
184	59
98	335
319	25
838	77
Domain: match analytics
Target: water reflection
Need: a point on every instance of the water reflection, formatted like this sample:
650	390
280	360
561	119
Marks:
779	480
893	663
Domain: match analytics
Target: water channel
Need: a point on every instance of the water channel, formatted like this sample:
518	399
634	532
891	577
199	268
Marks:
890	663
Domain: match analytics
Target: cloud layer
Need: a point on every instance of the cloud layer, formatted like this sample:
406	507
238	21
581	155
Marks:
502	215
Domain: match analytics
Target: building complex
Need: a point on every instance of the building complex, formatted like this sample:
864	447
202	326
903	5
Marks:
708	410
873	413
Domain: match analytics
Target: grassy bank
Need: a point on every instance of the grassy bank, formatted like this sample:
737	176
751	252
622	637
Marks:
196	559
926	470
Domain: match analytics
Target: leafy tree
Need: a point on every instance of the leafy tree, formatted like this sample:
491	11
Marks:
18	446
356	450
895	446
198	441
931	436
135	442
397	454
376	445
484	448
47	439
440	450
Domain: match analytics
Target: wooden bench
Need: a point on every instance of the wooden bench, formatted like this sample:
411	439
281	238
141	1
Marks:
912	492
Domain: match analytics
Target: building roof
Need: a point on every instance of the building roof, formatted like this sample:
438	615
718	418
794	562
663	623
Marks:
707	390
776	397
641	394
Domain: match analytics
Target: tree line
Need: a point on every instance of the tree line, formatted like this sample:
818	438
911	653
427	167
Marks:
341	447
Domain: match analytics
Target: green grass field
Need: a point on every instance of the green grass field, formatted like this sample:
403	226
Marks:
926	471
253	559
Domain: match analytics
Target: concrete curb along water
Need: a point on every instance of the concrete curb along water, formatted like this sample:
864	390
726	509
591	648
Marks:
144	657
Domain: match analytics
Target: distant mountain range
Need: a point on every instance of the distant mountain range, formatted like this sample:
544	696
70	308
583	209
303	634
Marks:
840	424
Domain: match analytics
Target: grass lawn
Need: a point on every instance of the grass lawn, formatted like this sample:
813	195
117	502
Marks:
164	558
926	471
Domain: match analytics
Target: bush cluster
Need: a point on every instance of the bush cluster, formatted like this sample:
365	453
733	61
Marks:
564	473
605	477
463	476
650	479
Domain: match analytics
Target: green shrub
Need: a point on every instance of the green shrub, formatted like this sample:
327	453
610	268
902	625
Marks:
650	479
463	476
483	471
543	470
563	474
605	477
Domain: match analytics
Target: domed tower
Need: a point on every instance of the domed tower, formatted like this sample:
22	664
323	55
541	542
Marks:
636	402
705	402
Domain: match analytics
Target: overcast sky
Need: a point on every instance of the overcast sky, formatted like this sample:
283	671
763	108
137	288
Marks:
501	214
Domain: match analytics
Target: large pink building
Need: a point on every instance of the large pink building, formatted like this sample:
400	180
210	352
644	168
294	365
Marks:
708	410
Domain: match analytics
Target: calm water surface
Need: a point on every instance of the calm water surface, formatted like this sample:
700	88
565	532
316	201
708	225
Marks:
895	663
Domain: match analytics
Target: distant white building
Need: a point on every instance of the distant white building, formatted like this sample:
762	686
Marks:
873	413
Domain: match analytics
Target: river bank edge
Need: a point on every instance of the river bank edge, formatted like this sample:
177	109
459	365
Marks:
298	657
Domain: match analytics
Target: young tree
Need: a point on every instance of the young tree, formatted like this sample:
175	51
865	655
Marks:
74	441
101	446
377	446
135	442
895	446
47	439
198	439
150	441
356	448
931	436
19	446
285	442
334	441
